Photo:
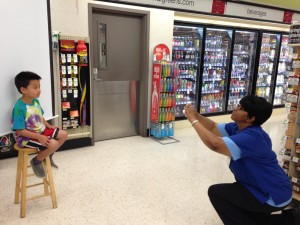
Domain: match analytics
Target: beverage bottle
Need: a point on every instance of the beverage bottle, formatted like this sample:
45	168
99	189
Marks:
160	100
172	70
166	115
170	86
187	55
175	70
169	103
168	70
163	116
192	55
166	101
171	129
174	86
159	115
165	85
81	51
177	98
158	133
173	115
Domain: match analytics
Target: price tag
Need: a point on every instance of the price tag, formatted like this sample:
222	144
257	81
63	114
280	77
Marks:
75	81
294	179
284	138
75	93
75	58
69	69
295	56
70	91
288	105
69	58
64	81
295	159
291	74
75	70
64	93
298	140
70	83
63	58
63	70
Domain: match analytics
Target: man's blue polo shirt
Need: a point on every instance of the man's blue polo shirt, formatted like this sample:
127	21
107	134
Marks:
255	165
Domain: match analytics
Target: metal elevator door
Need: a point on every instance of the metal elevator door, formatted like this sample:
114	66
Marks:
117	71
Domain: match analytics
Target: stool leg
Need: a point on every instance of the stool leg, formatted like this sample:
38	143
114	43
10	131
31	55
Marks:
46	184
51	183
18	177
24	184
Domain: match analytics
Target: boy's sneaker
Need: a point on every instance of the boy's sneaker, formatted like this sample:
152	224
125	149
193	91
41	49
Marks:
53	165
38	169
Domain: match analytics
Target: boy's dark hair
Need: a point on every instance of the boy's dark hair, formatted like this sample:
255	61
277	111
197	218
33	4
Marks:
23	79
258	107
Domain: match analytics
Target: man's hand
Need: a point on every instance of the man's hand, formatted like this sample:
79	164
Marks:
190	112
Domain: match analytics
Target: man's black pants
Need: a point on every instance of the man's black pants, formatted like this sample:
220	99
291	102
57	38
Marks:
237	206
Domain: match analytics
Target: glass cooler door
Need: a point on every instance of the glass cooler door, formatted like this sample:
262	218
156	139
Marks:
215	70
267	66
283	71
187	42
243	63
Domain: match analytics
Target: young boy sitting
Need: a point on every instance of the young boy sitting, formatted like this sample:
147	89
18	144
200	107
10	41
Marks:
30	128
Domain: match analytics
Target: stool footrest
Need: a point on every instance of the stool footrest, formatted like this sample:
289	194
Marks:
30	175
33	185
37	196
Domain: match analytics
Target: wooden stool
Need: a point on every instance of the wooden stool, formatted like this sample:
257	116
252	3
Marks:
21	179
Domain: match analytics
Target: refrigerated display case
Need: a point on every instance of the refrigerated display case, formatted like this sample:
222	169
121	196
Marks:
187	42
243	64
283	71
215	70
268	60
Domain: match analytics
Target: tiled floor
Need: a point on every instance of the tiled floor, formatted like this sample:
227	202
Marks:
130	181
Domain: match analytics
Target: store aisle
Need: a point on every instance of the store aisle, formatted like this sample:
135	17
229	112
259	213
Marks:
130	181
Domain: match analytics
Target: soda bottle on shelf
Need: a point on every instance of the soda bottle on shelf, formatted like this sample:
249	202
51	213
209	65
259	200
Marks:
173	100
160	115
165	85
168	70
161	100
161	88
173	114
164	101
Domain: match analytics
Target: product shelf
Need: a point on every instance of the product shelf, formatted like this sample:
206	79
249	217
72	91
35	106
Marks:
291	157
163	102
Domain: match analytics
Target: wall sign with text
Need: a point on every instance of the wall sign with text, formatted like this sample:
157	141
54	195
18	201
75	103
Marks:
221	7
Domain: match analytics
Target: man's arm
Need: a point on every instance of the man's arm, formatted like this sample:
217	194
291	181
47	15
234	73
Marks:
206	122
207	130
212	141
